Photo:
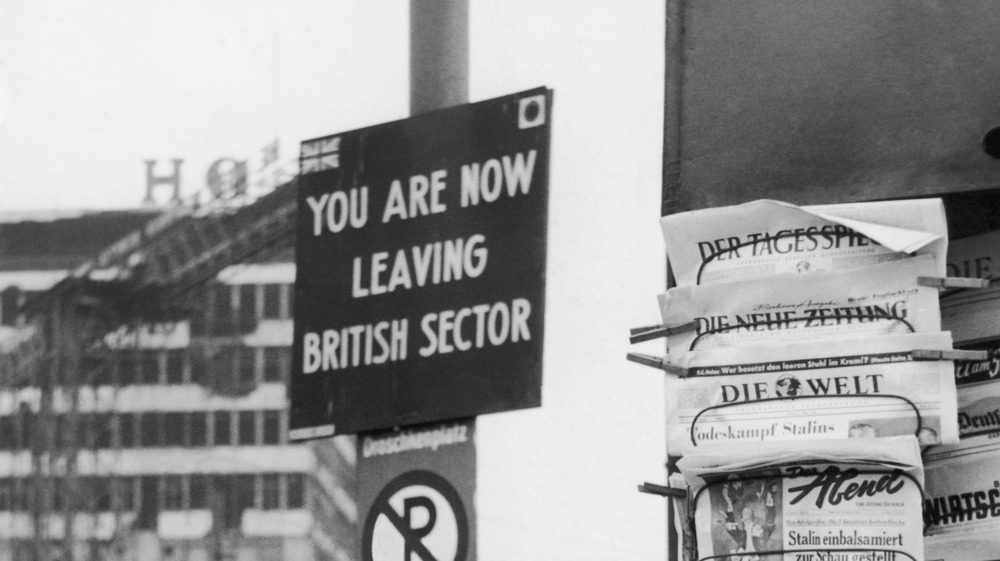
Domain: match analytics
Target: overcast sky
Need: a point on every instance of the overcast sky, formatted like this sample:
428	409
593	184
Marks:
90	90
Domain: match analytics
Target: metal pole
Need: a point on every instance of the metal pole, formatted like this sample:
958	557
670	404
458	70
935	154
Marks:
439	54
439	78
671	181
673	82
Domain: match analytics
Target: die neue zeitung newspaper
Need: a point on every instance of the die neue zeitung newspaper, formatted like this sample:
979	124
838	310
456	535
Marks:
840	499
877	300
857	388
766	238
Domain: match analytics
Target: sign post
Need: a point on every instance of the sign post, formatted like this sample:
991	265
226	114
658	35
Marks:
419	300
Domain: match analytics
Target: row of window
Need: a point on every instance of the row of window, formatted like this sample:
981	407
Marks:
227	494
233	309
221	309
233	365
148	429
100	550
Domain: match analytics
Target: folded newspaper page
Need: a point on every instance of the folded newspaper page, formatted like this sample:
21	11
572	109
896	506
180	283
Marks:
855	388
836	499
765	238
876	300
682	514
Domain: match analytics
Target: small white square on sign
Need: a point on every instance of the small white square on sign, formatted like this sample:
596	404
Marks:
531	112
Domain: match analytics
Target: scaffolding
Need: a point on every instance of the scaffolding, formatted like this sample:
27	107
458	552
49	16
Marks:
65	347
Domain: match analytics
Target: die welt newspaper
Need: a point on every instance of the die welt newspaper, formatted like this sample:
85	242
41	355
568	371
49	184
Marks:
851	388
833	500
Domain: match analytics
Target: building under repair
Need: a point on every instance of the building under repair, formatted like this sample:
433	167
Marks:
144	357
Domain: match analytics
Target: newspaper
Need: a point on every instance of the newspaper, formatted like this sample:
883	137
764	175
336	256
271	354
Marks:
975	256
854	388
963	486
836	499
963	480
972	315
877	300
978	392
765	238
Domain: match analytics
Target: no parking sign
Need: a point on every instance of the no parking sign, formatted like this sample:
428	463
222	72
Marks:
418	513
416	489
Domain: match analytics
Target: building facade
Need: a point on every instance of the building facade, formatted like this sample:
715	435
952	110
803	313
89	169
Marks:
163	440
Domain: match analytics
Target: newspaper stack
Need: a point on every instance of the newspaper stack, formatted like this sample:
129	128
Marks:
820	304
962	504
805	328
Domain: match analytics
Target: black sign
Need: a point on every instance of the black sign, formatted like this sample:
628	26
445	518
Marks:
420	256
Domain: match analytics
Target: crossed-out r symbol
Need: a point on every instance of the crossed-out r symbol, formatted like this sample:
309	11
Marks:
418	516
409	504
